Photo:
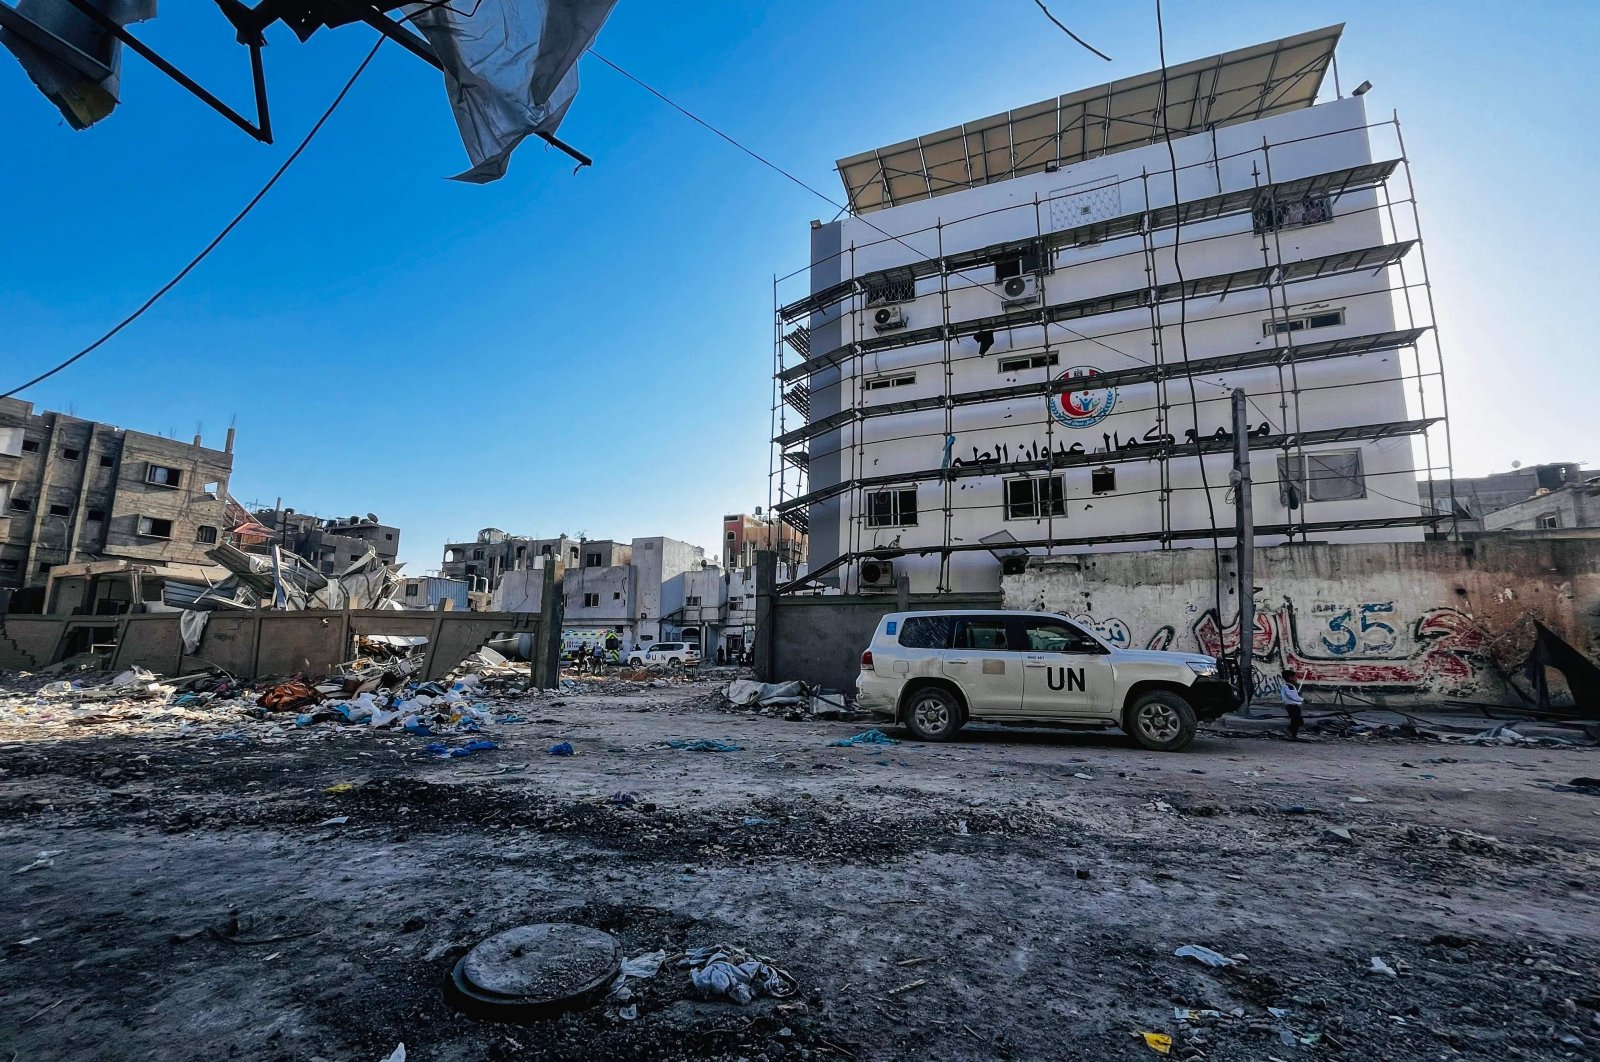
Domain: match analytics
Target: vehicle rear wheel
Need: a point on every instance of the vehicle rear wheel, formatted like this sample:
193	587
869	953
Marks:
933	714
676	665
1161	721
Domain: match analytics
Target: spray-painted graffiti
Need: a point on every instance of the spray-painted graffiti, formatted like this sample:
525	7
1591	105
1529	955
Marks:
1112	631
1356	630
1448	647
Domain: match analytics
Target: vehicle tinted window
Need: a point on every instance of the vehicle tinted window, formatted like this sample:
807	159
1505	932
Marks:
1058	636
982	633
925	632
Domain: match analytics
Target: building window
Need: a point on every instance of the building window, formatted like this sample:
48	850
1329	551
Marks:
9	565
69	454
411	589
205	533
30	446
892	508
574	551
1548	521
1293	213
1301	322
732	537
150	527
1332	476
477	554
591	560
691	602
878	383
163	476
327	567
616	595
1103	480
22	505
1033	498
97	516
106	461
735	603
1018	266
886	289
44	567
591	600
60	510
388	537
472	569
1030	361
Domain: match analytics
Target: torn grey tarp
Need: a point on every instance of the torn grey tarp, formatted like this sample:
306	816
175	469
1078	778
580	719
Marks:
72	60
191	625
511	68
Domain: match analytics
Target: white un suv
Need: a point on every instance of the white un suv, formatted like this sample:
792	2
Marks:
665	654
933	671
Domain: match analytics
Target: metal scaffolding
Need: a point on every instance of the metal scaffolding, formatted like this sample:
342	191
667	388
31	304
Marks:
1136	236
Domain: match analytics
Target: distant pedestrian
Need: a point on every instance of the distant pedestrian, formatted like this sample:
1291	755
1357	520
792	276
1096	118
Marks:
722	656
1292	702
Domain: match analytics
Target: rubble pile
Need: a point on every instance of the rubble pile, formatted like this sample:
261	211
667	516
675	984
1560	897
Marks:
790	700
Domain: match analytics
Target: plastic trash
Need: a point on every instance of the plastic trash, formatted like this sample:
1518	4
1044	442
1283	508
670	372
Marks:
337	820
1160	1043
646	965
1378	966
753	820
705	745
397	1055
47	858
720	970
57	689
563	748
1205	955
871	737
628	1013
435	748
413	725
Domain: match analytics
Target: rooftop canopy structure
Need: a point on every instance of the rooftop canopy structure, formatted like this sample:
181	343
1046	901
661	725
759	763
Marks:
1227	89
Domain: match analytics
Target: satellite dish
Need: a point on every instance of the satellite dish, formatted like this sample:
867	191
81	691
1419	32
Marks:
1516	464
373	517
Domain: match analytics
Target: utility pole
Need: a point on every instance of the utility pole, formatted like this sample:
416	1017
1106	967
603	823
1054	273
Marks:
1245	530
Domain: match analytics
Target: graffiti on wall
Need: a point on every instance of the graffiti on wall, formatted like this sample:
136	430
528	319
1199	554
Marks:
1357	646
1119	635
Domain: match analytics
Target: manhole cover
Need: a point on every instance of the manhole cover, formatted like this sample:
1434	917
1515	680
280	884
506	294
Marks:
536	971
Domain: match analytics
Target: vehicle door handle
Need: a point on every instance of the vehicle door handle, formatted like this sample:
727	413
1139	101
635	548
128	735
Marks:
958	661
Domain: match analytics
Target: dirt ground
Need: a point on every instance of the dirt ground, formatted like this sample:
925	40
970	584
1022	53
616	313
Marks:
1016	894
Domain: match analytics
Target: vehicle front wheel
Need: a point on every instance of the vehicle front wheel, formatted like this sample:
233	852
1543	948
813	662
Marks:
933	714
1161	721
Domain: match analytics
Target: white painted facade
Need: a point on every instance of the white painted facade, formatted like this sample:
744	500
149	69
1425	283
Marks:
1341	392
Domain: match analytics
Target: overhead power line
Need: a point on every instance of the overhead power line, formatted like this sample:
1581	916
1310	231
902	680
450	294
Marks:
217	240
1069	33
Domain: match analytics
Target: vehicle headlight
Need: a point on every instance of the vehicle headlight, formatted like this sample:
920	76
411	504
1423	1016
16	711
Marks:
1204	668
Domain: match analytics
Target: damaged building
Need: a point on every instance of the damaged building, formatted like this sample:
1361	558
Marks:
329	543
95	519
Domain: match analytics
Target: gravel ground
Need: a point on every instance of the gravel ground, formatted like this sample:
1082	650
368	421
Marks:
1015	894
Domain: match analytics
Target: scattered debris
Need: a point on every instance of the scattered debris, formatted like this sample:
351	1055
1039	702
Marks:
46	858
1160	1043
562	748
1205	955
871	737
720	970
704	745
1378	966
436	748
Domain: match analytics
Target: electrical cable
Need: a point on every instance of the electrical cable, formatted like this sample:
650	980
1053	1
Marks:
1069	33
212	246
1183	316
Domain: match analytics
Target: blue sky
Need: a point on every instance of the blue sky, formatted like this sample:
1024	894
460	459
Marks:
591	353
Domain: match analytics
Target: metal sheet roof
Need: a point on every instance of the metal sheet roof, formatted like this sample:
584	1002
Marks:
1227	89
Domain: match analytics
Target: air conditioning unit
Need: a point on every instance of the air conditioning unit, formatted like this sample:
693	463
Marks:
876	575
1019	291
888	318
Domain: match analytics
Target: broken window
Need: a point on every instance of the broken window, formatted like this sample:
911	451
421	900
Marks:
477	554
1017	266
60	510
96	515
926	632
163	475
205	533
69	454
1301	322
1029	361
1033	498
616	595
106	461
1293	213
1103	480
151	527
22	505
44	567
412	589
30	446
9	565
892	508
591	600
390	538
691	601
591	560
1547	521
1332	476
736	603
213	488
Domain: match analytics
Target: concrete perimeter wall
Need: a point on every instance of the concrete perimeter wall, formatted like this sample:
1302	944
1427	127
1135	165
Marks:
1397	622
258	644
